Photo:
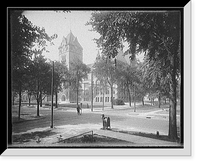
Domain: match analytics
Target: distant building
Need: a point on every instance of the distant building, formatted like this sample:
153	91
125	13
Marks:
102	94
70	51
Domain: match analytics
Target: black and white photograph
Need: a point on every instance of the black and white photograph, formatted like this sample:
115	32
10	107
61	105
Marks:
97	79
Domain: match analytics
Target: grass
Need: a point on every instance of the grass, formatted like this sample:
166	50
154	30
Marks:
27	137
144	134
95	139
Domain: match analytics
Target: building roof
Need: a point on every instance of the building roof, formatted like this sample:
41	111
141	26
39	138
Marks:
71	40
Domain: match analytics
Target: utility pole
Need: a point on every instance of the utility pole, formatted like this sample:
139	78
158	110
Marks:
52	87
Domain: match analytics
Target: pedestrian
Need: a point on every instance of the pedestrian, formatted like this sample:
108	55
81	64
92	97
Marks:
81	104
78	109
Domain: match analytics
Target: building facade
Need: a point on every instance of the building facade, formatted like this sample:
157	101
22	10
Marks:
93	89
102	92
70	51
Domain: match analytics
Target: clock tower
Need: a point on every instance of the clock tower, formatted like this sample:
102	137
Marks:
70	51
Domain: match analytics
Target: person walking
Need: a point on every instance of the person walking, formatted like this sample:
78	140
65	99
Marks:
79	110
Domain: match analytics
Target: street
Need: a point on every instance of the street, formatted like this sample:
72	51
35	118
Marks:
122	119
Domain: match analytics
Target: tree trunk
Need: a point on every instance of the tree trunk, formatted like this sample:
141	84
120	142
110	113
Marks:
172	117
103	97
165	100
172	113
40	98
159	100
77	95
56	99
38	106
29	102
143	101
129	94
20	101
181	119
29	99
111	99
172	121
134	100
124	92
37	98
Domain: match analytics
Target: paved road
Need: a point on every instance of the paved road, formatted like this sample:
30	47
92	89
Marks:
121	119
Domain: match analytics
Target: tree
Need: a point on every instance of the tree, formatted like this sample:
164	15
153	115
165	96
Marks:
22	36
158	34
40	72
78	71
155	79
25	37
105	68
127	76
61	75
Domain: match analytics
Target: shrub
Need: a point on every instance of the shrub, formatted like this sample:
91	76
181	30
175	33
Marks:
119	102
49	104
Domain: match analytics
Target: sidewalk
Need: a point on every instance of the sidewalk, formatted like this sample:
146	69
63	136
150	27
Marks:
136	140
67	132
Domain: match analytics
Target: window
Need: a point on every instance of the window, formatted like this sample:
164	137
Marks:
97	91
101	99
97	99
63	98
107	91
108	99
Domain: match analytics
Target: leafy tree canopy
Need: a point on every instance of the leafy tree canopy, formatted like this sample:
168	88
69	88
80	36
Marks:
156	33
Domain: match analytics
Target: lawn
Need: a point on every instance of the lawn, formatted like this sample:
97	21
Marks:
28	137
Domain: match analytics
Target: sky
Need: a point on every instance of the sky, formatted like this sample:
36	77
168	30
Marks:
61	23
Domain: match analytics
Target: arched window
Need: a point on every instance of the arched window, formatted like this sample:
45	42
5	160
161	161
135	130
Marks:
63	98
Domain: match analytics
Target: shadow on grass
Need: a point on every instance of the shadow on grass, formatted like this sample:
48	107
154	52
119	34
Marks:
95	139
27	137
148	135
